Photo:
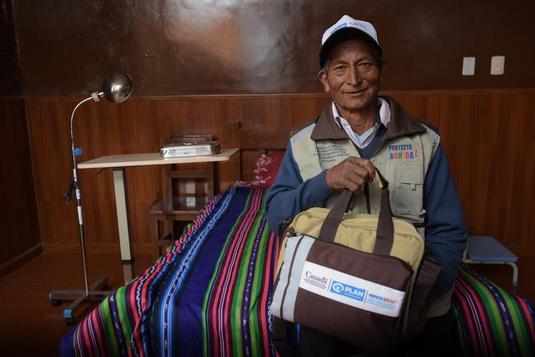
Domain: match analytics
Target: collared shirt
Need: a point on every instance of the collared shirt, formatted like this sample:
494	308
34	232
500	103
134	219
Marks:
363	140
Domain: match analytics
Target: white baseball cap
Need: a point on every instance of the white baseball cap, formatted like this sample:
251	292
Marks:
343	29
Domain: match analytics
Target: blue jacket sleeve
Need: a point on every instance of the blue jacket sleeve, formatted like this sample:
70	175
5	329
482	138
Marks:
445	233
289	195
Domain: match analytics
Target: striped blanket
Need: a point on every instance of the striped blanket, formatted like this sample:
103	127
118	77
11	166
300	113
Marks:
492	321
209	294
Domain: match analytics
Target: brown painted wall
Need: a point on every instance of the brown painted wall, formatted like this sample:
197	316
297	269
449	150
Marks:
9	60
200	47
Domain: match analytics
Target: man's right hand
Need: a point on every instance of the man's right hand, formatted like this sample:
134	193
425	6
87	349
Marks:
350	174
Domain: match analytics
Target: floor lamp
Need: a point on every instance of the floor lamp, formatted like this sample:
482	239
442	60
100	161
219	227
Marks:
116	88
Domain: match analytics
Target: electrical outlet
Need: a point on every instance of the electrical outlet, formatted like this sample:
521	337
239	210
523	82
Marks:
469	66
497	65
190	187
191	202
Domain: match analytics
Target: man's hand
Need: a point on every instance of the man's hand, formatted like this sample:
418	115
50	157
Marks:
351	174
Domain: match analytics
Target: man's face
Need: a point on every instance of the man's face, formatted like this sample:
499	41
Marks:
353	77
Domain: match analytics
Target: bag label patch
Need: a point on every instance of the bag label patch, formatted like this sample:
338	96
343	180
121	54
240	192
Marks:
351	290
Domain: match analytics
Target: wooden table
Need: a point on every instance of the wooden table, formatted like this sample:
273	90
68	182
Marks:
119	163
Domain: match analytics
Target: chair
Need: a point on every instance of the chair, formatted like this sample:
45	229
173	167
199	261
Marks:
186	189
487	250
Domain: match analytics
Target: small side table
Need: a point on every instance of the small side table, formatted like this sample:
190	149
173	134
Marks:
487	250
119	163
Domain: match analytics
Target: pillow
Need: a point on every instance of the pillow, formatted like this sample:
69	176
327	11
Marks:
266	169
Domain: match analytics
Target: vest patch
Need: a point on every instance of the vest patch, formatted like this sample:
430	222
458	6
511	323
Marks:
332	153
402	152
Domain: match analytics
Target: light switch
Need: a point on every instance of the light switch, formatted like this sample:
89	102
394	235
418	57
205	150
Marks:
469	66
497	65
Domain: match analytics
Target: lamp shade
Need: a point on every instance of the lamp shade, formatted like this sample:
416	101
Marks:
117	87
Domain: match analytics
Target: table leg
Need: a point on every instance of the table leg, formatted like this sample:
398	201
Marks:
122	222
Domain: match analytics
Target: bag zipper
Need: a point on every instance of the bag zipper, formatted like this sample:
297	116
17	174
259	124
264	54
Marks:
403	262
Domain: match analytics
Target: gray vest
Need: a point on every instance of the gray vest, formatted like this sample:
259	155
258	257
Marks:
403	162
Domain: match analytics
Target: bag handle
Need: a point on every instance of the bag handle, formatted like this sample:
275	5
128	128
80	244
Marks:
385	225
425	280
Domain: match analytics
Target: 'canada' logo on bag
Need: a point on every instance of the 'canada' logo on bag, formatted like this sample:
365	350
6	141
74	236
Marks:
313	279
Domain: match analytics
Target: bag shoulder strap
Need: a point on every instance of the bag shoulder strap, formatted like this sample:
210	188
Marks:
425	279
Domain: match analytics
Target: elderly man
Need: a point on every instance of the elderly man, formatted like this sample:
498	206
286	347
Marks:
356	133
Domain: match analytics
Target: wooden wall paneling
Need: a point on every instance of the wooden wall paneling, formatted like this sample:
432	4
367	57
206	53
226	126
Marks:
19	226
143	186
488	137
494	182
506	152
98	206
51	162
527	190
526	187
482	134
518	138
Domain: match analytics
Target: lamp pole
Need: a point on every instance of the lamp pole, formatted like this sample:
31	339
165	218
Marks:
116	88
75	184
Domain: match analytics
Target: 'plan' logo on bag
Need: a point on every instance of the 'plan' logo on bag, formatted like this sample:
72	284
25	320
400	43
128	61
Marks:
349	291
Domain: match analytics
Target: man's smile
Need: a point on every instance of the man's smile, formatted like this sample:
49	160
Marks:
356	93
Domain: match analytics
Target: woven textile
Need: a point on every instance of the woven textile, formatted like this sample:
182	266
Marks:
208	295
492	321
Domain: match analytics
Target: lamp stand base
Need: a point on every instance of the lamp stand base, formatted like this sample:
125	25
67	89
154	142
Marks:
78	297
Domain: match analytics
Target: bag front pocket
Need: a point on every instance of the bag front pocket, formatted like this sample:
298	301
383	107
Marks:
355	296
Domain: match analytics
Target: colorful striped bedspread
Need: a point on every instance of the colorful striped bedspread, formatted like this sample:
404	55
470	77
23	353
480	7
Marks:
492	321
209	294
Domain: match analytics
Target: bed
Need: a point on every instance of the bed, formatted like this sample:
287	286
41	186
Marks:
209	294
